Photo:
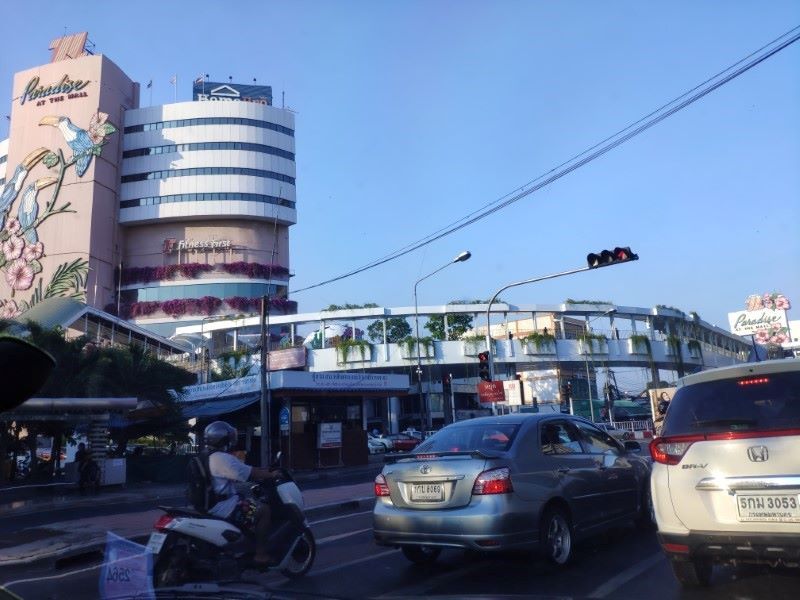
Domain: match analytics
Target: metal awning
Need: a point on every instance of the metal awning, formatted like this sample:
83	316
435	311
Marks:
213	408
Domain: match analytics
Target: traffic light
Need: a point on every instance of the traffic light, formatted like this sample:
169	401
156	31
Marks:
611	257
483	366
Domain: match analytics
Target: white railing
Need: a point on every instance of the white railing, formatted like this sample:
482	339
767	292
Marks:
646	425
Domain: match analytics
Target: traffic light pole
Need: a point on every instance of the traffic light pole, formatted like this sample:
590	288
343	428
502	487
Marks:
605	259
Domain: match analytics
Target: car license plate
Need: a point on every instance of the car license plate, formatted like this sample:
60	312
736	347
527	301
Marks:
155	542
427	492
769	507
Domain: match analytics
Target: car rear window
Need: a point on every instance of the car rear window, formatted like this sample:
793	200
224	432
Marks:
755	402
491	437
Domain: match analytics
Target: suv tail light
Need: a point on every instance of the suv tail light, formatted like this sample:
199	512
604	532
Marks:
670	451
381	487
493	481
162	522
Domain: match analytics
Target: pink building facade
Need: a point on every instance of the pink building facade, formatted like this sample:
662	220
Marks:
165	215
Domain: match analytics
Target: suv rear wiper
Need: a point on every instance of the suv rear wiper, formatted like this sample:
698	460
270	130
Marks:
474	453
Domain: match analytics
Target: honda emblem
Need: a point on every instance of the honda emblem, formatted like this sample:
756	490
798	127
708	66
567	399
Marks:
758	453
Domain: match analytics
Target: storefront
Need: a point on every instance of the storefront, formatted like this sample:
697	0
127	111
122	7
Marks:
318	420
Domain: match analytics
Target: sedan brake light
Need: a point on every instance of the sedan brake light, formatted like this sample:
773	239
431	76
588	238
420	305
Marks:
493	481
381	487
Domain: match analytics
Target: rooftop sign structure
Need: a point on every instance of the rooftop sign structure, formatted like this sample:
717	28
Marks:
206	91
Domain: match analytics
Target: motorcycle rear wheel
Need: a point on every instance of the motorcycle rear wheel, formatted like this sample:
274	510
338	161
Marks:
172	567
302	557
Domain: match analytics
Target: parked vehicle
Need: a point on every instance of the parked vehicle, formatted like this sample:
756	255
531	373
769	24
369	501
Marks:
192	546
621	435
382	440
520	481
725	484
374	445
402	442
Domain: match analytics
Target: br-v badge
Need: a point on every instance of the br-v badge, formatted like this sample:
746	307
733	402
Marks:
758	453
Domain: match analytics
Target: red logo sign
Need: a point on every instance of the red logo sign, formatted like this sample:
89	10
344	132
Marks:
491	391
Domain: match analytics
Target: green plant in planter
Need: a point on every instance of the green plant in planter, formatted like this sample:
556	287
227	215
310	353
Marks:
410	343
694	345
674	342
344	346
588	339
641	341
538	339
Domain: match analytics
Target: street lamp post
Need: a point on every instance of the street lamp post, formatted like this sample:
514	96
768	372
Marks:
586	361
460	258
205	350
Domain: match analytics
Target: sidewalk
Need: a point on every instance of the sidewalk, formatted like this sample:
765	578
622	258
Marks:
55	541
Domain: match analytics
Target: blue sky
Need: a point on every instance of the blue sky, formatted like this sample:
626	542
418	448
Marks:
412	114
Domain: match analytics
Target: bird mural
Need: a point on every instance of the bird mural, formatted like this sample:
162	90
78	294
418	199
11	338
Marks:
29	208
14	185
77	139
84	143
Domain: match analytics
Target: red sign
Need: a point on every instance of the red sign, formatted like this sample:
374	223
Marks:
491	391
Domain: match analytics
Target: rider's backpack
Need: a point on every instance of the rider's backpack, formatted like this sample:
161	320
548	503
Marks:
200	491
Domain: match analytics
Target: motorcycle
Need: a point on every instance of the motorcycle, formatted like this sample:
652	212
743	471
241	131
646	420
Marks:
190	547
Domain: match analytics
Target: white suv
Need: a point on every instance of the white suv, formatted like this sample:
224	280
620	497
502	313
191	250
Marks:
726	475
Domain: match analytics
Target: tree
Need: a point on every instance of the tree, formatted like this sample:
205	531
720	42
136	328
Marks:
84	370
397	328
457	325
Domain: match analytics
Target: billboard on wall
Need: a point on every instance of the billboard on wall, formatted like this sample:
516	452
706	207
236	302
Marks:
764	319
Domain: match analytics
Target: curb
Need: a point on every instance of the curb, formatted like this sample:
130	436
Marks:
78	551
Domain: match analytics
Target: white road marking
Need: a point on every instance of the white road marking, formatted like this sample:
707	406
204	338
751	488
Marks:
333	538
622	578
366	512
65	574
351	563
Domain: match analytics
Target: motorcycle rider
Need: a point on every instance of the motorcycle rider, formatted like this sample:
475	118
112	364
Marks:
226	470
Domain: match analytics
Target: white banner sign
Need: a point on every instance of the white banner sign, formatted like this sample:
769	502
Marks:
513	391
329	435
748	322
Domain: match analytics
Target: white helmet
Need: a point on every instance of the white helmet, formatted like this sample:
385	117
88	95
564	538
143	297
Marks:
220	435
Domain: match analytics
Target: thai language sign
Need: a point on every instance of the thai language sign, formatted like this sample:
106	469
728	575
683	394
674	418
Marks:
329	435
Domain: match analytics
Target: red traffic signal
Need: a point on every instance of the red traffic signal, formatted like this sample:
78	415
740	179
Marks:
611	257
483	366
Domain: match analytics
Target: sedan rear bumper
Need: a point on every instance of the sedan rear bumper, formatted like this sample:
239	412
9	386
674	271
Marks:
490	523
734	546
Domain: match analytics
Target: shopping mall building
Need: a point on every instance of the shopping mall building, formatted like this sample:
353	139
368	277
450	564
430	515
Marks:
164	215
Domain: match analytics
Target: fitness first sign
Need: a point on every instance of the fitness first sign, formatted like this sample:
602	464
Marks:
209	91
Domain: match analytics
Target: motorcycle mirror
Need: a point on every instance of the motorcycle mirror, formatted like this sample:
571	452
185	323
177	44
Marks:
24	369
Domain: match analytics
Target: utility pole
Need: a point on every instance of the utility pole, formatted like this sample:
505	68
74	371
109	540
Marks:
266	391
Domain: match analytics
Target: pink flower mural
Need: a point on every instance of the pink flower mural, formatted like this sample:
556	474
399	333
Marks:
12	248
19	275
13	226
8	309
33	251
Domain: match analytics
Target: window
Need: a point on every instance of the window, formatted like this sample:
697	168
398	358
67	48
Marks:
559	437
155	200
596	441
747	403
207	171
472	437
210	121
155	150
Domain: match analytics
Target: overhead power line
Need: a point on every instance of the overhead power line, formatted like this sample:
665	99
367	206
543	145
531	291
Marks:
600	148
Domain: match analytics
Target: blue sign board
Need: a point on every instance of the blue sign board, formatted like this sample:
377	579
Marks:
283	418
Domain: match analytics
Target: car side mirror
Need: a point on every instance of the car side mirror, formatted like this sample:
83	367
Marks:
632	446
25	369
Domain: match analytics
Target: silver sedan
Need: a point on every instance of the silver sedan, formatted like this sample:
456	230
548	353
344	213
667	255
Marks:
520	481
